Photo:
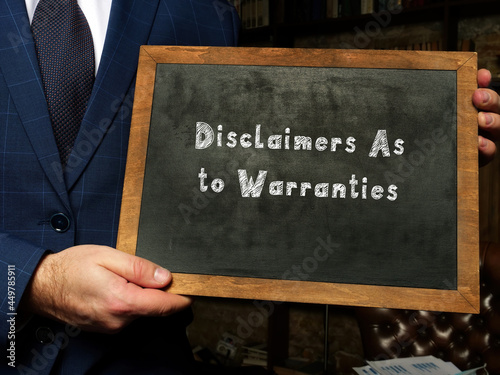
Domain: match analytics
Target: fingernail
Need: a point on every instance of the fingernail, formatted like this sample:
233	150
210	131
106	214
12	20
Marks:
488	118
482	142
161	275
486	96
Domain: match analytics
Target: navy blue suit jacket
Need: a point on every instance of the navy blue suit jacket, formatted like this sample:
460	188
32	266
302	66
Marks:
33	186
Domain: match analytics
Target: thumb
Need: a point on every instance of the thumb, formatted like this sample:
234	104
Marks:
136	270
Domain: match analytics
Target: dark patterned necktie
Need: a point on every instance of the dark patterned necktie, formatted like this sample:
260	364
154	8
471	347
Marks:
65	52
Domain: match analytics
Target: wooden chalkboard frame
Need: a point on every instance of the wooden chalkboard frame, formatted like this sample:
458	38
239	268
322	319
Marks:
466	296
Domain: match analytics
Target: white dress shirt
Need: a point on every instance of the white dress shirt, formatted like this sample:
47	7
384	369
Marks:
97	13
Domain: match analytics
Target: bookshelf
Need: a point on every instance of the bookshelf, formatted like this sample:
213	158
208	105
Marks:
284	21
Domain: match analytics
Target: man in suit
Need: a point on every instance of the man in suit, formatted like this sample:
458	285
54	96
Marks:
72	304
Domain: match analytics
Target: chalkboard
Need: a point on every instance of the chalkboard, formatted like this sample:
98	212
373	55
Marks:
291	171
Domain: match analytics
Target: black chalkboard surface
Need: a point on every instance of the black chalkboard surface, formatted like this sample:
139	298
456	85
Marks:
321	175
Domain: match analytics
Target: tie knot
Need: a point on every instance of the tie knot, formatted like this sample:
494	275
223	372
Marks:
54	7
51	14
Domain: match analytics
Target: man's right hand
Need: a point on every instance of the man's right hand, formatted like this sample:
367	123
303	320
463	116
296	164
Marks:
98	288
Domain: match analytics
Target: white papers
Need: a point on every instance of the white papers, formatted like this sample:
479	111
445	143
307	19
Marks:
365	370
428	365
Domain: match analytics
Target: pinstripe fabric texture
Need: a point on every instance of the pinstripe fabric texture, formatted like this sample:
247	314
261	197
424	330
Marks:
33	184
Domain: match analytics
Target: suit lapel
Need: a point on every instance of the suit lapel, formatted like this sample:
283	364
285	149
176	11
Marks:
19	65
129	27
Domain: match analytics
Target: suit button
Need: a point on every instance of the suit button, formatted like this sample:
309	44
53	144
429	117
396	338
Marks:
44	335
59	222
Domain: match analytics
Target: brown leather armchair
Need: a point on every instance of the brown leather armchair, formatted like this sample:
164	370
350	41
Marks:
467	340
